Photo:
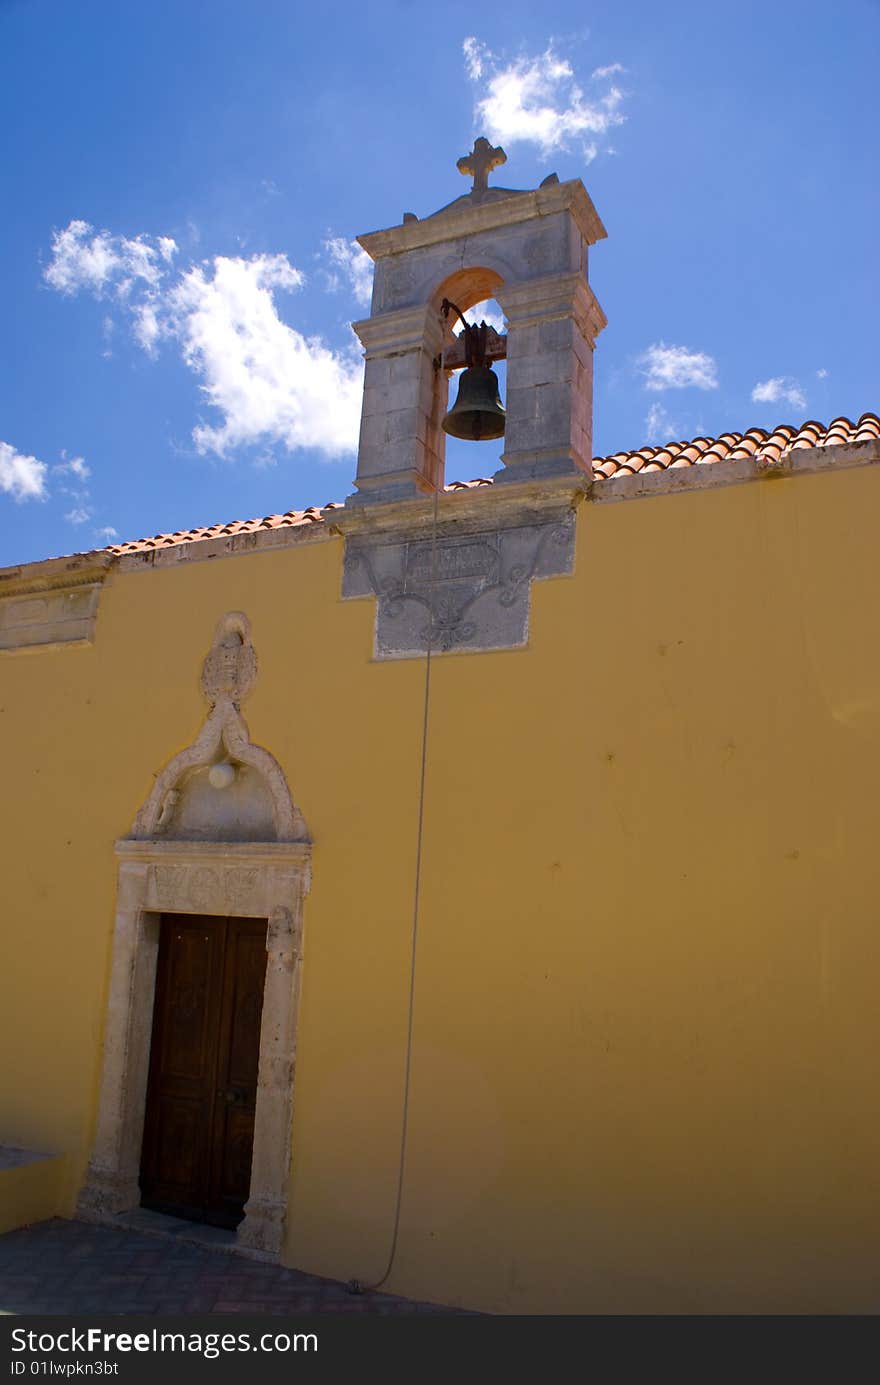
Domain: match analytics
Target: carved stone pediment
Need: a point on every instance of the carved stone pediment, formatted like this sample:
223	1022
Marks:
189	802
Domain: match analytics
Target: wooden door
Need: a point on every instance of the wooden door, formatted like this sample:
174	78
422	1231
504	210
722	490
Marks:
202	1087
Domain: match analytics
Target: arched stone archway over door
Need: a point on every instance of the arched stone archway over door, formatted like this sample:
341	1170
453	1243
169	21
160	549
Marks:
197	848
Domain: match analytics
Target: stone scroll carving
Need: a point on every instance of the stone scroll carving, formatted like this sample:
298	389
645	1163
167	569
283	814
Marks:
460	592
184	802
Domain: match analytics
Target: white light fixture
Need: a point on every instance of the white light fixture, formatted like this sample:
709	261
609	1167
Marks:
221	776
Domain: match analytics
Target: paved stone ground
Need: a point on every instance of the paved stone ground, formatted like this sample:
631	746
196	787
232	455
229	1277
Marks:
78	1268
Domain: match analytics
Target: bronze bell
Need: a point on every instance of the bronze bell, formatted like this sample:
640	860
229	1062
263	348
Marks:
477	413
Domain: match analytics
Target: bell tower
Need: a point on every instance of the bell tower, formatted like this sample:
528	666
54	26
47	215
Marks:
454	573
528	250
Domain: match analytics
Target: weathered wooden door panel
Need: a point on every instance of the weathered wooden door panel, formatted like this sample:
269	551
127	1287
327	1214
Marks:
180	1093
201	1097
237	1062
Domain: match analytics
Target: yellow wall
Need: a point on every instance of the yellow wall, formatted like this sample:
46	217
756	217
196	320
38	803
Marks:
32	1190
646	1034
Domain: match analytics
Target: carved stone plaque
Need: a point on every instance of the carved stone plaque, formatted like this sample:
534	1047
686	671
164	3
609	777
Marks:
206	889
451	560
458	592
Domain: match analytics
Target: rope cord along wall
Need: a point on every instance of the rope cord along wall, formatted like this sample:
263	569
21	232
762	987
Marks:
355	1286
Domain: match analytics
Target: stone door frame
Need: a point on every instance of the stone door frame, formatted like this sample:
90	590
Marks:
246	879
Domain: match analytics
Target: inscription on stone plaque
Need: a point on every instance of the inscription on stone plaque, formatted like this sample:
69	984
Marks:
450	560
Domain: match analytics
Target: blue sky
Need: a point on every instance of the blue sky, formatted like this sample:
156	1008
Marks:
184	180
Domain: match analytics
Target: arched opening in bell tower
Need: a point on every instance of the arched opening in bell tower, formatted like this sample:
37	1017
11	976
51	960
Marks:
471	293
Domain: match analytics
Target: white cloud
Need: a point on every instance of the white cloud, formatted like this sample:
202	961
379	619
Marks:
822	374
108	327
100	262
79	262
599	73
483	312
22	477
76	469
675	367
659	427
473	61
269	382
538	100
72	466
133	271
780	388
107	532
355	264
146	325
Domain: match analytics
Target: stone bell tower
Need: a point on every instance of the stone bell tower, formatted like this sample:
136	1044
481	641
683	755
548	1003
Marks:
454	574
528	250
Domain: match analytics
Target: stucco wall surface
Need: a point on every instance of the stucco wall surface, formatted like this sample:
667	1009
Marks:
31	1187
646	1034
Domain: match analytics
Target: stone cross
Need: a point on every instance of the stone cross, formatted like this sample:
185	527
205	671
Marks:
480	162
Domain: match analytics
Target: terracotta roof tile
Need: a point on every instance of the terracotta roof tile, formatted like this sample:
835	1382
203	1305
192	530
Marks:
755	442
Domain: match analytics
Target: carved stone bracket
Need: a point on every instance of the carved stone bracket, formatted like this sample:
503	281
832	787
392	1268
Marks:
460	592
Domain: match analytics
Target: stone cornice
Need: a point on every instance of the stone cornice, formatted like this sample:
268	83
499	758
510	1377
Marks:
224	546
399	330
467	218
798	461
557	295
55	574
244	853
464	511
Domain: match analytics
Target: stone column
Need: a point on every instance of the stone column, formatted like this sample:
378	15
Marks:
400	453
263	1225
112	1180
552	325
